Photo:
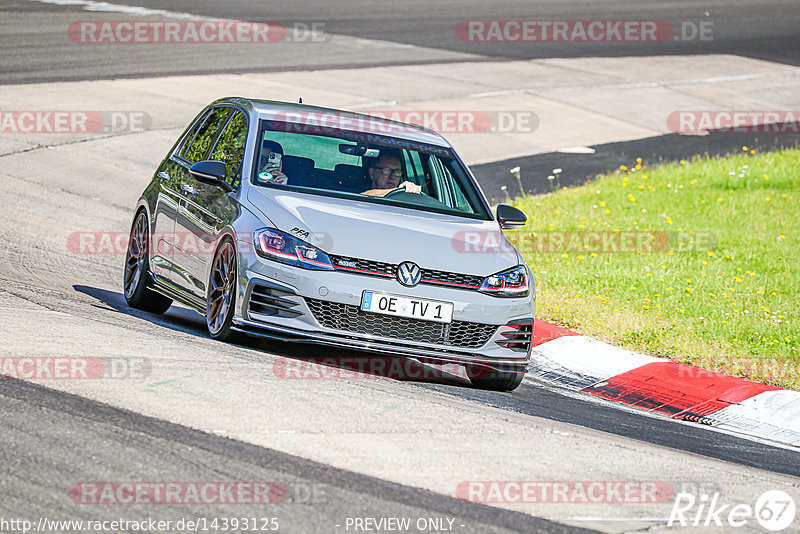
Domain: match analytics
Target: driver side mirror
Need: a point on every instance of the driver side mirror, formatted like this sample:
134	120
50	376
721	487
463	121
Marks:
212	173
510	217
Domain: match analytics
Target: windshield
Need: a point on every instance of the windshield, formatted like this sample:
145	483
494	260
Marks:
365	168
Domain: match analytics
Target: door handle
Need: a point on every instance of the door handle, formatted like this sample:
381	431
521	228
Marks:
164	176
188	188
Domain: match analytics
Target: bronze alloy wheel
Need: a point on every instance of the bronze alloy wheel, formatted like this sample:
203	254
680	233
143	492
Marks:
222	292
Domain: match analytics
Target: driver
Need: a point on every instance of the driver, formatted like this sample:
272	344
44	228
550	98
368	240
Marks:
385	173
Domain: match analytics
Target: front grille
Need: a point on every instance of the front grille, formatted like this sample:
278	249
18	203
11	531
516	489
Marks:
467	281
365	267
389	270
352	319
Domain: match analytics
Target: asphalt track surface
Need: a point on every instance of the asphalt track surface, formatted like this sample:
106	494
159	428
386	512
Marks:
65	434
52	438
35	48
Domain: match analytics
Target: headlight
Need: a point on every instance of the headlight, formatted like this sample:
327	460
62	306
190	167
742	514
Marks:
280	246
513	282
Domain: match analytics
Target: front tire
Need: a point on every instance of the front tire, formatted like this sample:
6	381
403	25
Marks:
137	270
495	379
221	297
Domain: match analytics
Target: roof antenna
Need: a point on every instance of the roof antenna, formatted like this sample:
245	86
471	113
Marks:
301	100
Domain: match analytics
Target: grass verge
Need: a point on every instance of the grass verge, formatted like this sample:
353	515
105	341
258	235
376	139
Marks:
696	262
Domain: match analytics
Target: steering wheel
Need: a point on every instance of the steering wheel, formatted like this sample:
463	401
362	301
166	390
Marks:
395	191
419	199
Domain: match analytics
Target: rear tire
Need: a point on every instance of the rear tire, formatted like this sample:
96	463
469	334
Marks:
495	379
136	277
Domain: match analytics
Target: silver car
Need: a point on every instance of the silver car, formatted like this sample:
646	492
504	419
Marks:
308	224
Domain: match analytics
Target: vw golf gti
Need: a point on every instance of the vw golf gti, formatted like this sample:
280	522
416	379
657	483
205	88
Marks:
309	224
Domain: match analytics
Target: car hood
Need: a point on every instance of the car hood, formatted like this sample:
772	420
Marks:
385	233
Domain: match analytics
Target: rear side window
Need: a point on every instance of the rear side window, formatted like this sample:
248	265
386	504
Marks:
230	147
206	134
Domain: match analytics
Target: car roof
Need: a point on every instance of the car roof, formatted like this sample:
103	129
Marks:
317	116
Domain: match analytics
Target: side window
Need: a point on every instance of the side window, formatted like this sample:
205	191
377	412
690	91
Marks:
230	147
461	200
205	135
450	192
190	133
413	164
456	193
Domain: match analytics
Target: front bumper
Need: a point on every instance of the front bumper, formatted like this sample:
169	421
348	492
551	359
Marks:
284	297
377	346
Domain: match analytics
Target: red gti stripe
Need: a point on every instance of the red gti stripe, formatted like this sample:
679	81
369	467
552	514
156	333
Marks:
361	270
446	283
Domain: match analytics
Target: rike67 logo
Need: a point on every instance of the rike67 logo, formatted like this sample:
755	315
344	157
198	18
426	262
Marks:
774	510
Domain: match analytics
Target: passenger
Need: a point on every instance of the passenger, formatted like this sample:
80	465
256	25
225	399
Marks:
269	172
385	173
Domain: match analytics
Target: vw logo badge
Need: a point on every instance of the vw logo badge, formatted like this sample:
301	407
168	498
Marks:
409	273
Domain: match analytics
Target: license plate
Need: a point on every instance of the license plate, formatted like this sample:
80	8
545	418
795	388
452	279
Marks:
387	304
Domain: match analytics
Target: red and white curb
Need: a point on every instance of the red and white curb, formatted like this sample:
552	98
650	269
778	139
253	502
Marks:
569	360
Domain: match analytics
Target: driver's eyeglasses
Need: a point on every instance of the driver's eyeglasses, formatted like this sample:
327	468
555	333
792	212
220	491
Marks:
386	171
